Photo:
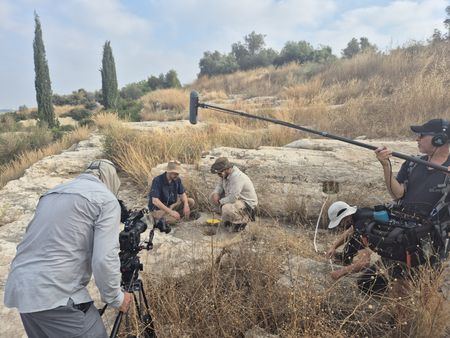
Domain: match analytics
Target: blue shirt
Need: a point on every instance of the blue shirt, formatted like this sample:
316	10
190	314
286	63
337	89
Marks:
166	192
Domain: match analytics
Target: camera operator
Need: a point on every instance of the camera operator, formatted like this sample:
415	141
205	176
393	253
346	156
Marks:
74	233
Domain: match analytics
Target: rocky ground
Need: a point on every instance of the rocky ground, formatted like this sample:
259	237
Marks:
191	241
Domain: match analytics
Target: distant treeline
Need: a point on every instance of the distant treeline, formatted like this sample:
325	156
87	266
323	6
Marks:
252	53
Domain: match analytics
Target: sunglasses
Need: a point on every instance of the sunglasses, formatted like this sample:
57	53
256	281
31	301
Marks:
422	135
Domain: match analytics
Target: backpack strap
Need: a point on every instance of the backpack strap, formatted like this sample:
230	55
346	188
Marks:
411	166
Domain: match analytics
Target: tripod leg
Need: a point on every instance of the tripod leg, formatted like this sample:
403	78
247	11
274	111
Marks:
145	315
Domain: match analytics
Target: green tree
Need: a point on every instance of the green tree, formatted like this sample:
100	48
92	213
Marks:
171	80
213	63
254	42
366	46
251	53
352	49
324	55
110	91
46	113
299	52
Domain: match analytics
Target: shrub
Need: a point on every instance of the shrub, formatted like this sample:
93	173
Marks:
78	114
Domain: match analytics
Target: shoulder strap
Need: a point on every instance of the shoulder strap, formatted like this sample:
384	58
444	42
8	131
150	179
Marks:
411	166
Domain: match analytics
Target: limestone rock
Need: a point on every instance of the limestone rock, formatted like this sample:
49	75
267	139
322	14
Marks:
302	174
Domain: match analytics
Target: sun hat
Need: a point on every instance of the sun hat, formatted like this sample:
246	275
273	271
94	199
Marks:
174	166
337	211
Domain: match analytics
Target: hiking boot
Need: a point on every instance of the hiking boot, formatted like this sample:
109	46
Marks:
194	215
239	227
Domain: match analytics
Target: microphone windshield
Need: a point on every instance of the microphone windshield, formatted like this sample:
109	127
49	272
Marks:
193	107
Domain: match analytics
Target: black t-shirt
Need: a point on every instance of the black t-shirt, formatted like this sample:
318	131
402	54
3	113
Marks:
418	198
355	242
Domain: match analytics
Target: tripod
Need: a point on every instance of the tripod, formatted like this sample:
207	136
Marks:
130	266
132	283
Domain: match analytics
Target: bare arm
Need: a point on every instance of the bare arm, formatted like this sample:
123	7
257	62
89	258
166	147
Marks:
186	209
340	240
396	189
360	262
157	202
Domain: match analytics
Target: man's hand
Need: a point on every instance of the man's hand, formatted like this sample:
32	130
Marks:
337	274
216	199
175	214
383	154
186	210
331	252
127	299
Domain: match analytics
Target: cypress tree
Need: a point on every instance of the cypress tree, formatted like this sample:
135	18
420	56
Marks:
110	91
42	79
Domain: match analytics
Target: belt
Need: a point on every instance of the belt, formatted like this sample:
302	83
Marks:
83	306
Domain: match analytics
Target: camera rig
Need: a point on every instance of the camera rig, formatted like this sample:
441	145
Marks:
135	223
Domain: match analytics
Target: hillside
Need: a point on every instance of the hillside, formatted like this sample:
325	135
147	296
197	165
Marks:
267	281
378	95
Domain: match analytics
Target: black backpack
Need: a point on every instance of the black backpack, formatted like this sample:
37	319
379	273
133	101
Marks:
409	242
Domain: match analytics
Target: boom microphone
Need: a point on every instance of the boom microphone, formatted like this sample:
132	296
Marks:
193	107
193	110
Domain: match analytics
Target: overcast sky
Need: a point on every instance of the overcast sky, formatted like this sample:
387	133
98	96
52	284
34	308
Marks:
149	37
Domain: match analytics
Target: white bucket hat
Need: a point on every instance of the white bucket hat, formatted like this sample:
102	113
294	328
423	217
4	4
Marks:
337	211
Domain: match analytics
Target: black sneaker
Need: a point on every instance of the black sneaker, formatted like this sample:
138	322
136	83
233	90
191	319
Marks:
239	227
194	215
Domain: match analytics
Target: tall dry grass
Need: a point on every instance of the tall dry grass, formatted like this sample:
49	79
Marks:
377	95
138	152
258	82
105	120
164	105
15	169
239	289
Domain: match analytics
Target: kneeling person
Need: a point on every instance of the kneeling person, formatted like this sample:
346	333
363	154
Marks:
356	253
234	194
167	198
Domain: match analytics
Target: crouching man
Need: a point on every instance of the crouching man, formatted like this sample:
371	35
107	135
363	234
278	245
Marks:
234	195
167	198
355	256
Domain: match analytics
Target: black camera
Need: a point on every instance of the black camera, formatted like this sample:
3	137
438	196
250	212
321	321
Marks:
130	237
163	226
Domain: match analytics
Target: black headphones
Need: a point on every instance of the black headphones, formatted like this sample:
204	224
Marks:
441	138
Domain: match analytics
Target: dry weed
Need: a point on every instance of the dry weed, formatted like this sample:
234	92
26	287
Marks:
137	153
106	120
15	169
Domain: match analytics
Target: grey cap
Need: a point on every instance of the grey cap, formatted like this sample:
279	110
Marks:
220	165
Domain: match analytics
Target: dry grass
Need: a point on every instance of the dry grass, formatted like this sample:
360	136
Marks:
164	105
138	152
257	82
239	289
15	169
59	110
371	94
106	120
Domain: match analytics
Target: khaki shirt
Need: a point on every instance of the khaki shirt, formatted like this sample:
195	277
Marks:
237	186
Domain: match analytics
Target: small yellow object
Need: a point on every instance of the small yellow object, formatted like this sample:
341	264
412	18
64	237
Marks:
212	221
